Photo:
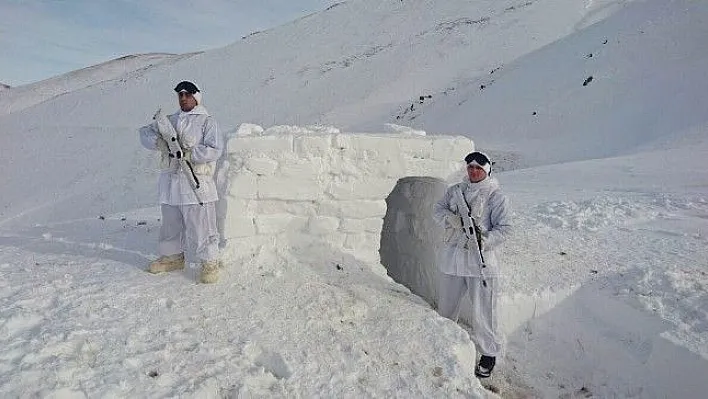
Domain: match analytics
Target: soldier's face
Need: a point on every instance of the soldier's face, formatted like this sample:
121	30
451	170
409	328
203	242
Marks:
187	102
476	173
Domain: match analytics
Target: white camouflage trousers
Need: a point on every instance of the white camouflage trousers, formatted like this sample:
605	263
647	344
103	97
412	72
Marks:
186	227
485	333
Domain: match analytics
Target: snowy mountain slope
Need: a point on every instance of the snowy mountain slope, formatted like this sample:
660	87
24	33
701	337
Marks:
4	86
394	50
633	82
25	96
324	68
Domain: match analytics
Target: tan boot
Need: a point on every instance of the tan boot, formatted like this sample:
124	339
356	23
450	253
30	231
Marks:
167	263
210	272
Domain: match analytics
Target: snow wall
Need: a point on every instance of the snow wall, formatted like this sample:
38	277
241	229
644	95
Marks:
290	188
410	238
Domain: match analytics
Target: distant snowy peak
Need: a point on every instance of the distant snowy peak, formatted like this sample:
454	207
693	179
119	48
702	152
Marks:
25	96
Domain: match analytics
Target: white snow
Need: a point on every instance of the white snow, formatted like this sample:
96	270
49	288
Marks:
607	275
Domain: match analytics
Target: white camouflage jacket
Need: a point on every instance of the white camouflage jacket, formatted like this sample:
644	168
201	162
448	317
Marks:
200	139
490	209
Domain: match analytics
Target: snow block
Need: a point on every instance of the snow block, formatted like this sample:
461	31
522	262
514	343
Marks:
248	129
431	167
369	225
243	185
320	225
240	206
309	169
288	189
313	146
370	189
362	241
353	209
299	208
237	227
451	148
272	145
261	166
271	224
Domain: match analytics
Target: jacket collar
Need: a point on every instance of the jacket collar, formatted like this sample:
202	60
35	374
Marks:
489	182
198	110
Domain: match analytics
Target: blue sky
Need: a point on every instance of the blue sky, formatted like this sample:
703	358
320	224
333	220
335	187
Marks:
44	38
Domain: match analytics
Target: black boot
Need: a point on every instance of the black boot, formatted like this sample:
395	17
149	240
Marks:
485	366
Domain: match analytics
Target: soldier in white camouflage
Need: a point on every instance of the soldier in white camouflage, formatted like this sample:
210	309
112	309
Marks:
188	221
477	220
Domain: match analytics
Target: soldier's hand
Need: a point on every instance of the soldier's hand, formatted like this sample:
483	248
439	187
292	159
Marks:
162	144
454	221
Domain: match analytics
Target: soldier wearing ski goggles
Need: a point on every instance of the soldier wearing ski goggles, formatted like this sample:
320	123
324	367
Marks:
477	220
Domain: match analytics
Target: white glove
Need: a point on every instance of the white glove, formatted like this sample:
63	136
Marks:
161	145
453	220
187	142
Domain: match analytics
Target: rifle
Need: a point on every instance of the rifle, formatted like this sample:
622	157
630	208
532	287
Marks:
478	236
169	134
473	232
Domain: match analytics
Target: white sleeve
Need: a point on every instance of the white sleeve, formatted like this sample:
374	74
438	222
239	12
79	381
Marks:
148	136
501	223
442	208
210	148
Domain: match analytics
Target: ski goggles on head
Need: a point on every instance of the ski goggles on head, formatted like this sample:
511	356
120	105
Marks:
479	159
186	86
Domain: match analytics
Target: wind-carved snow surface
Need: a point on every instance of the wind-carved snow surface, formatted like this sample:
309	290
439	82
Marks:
592	214
612	211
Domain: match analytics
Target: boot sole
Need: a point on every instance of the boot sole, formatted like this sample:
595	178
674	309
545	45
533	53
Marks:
165	271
